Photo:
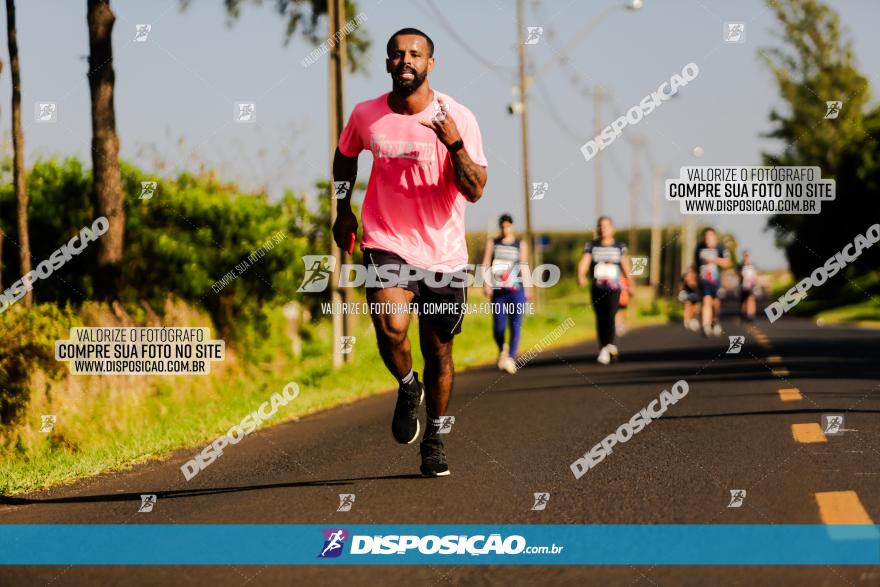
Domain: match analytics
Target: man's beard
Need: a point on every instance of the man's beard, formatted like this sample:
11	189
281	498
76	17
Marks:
407	87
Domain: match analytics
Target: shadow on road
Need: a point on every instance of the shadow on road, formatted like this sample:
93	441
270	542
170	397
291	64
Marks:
6	500
773	413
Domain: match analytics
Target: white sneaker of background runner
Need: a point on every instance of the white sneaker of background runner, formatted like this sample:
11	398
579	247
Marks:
509	365
604	356
612	348
502	358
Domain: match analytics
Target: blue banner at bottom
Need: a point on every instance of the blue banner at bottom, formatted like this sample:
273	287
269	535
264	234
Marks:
530	544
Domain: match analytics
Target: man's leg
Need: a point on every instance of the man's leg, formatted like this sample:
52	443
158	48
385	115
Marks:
392	327
391	323
436	346
436	333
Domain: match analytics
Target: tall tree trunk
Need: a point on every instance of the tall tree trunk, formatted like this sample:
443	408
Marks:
18	172
107	177
2	234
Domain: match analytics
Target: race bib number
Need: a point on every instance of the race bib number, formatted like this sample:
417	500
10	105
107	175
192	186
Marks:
708	272
501	274
606	272
749	278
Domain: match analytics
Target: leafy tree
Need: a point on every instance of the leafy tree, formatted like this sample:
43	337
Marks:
196	239
305	16
816	65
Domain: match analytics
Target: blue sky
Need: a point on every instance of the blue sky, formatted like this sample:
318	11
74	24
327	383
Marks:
175	93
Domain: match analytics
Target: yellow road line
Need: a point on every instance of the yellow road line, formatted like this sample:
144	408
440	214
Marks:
774	359
807	433
842	507
781	372
790	394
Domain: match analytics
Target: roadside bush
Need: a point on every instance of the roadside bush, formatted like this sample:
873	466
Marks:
27	344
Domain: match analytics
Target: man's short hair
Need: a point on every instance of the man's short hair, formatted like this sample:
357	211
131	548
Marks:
505	218
410	31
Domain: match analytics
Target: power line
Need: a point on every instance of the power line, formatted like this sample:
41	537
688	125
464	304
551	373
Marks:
502	71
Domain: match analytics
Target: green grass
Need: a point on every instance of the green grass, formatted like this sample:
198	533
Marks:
866	313
108	424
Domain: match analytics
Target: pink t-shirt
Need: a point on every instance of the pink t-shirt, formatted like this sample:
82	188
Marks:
412	207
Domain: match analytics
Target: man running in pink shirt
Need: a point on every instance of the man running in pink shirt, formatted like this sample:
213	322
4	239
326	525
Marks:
428	162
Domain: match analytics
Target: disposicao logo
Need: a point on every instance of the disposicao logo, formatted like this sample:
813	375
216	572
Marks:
334	541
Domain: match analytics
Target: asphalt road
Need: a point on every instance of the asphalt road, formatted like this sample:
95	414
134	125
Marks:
517	434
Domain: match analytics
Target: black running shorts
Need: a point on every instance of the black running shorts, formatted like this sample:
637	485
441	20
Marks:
443	306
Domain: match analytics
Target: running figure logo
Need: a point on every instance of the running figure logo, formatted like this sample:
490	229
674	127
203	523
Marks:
46	112
346	344
334	541
147	503
533	35
446	423
141	32
346	500
245	112
148	189
734	32
541	500
47	423
736	344
832	424
737	497
832	109
340	189
639	264
539	190
441	111
319	268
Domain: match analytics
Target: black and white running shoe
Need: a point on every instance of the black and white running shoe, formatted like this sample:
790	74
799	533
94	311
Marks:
405	425
433	457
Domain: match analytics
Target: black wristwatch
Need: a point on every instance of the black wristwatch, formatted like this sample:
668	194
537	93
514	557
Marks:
454	147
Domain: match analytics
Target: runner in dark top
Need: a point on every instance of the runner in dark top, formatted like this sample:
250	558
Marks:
507	258
605	259
710	258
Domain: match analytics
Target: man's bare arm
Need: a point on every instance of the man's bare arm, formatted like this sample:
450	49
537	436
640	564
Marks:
344	169
470	178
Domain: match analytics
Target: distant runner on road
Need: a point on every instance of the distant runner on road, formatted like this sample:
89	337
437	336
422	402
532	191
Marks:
748	284
605	259
428	162
710	258
690	297
507	257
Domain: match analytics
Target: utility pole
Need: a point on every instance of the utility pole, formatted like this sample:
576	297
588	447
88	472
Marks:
598	96
635	189
524	120
341	322
523	97
688	240
654	261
